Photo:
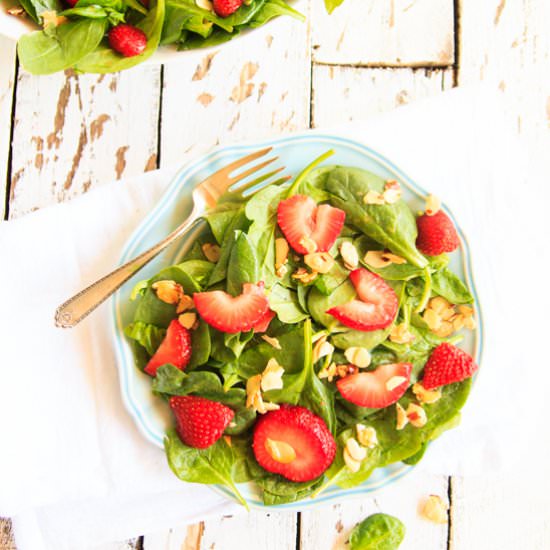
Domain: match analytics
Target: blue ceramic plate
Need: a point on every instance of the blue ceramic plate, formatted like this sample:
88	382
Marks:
150	413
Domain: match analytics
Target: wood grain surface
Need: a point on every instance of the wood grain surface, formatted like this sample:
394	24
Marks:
64	134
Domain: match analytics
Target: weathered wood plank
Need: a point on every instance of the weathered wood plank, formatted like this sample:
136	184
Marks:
363	92
507	43
328	528
132	544
507	512
273	531
6	537
75	131
7	77
240	93
394	33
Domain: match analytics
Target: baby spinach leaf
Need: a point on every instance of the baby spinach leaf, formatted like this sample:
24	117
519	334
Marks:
220	221
447	284
105	60
377	532
146	335
318	303
278	490
200	346
284	302
392	225
35	8
237	342
61	47
359	338
271	9
243	264
212	465
152	311
303	175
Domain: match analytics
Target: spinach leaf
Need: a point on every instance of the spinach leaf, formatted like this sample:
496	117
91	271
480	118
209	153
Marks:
392	225
284	302
447	284
278	490
318	303
212	465
35	8
106	60
200	346
271	9
377	532
261	210
243	264
331	5
237	342
152	311
220	221
359	338
147	336
59	48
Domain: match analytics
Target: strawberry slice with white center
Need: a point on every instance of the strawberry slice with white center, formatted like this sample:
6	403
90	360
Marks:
378	388
300	218
174	349
263	324
376	307
233	313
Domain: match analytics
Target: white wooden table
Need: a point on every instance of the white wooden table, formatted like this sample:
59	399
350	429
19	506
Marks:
61	135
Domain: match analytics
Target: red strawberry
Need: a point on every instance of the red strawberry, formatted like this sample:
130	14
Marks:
376	307
299	217
224	8
174	349
436	234
378	388
233	314
447	364
70	3
263	324
127	40
201	422
294	443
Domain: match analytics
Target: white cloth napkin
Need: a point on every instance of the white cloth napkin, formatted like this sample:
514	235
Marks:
75	471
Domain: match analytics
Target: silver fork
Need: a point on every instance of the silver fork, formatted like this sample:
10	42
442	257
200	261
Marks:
205	195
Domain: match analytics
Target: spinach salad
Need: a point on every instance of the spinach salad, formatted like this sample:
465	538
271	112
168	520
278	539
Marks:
304	340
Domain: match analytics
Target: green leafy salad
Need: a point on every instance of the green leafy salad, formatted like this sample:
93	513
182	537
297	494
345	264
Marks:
308	336
103	36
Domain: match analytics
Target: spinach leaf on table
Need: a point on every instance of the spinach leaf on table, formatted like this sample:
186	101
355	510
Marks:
377	532
212	465
59	48
331	5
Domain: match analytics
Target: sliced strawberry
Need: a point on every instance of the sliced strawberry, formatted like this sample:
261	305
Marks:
174	349
232	313
300	218
436	234
447	364
263	324
294	443
201	422
376	307
378	388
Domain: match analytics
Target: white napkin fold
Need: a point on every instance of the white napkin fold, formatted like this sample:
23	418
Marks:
74	469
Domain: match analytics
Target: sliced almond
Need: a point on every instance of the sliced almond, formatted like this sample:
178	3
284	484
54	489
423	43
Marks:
373	197
322	348
353	465
402	419
432	319
425	396
272	376
391	195
467	311
51	18
346	370
394	382
349	254
167	291
253	388
205	4
304	276
309	244
400	334
359	357
433	205
366	435
439	304
380	259
211	251
355	450
328	372
281	271
434	509
185	303
470	323
457	321
321	262
416	415
444	330
281	252
280	451
188	320
273	342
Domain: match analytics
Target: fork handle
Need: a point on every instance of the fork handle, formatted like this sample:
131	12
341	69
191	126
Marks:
71	312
